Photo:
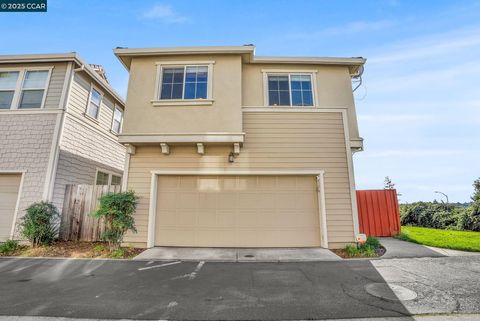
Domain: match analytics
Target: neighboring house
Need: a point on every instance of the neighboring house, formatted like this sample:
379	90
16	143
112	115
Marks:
228	149
59	122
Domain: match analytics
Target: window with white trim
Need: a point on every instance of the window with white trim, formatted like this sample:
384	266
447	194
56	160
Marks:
116	180
105	178
290	90
117	120
8	83
184	82
94	102
33	88
102	178
23	88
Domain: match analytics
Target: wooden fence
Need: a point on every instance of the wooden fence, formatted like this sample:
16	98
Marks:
80	200
378	212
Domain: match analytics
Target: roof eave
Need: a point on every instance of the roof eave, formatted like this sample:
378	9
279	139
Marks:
71	56
125	54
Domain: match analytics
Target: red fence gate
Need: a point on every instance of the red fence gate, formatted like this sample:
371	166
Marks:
378	212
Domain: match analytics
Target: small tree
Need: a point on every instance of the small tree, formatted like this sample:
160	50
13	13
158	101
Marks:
117	210
388	184
470	220
40	223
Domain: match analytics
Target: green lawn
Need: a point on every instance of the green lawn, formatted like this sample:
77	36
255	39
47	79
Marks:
455	240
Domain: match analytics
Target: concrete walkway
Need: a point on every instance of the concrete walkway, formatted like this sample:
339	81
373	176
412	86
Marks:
402	249
238	255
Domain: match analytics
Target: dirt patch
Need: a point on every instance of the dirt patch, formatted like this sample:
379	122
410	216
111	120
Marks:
344	255
75	250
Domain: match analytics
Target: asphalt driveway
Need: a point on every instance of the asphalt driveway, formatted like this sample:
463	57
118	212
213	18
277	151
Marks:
247	291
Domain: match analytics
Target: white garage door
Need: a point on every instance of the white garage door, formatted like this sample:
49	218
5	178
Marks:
9	185
237	211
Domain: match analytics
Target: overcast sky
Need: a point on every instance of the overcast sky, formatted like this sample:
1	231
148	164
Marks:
419	107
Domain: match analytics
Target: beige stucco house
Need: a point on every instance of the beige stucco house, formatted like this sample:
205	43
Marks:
229	149
59	124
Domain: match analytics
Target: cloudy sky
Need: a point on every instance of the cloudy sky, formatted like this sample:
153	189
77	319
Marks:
419	107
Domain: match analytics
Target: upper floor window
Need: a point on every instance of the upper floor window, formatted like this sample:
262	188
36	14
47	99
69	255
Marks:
187	82
94	102
117	120
33	89
8	83
290	90
24	88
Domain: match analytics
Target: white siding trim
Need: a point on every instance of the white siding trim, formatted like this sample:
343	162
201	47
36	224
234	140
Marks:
152	210
154	189
289	109
125	172
30	111
351	178
67	86
52	158
322	211
238	172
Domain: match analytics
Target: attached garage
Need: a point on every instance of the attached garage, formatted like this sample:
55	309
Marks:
9	189
238	211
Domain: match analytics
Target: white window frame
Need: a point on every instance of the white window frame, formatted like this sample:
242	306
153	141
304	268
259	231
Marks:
92	87
156	101
110	174
115	107
19	86
289	73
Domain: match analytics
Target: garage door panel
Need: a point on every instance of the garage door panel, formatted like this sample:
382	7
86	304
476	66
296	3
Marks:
237	211
8	200
207	201
186	218
266	182
9	189
187	183
226	200
207	237
175	237
251	200
170	182
187	200
167	200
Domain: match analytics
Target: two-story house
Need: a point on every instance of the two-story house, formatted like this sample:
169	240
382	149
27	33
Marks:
59	124
229	149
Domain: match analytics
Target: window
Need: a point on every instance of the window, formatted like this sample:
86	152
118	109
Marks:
290	90
105	178
23	88
33	89
117	120
187	82
94	103
102	178
8	83
116	180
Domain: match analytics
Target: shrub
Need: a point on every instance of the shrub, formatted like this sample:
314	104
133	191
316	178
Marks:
117	210
40	223
9	247
367	249
372	242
